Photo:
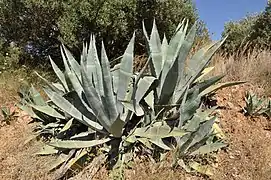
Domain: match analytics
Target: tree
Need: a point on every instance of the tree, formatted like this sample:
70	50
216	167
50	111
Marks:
31	26
39	26
253	31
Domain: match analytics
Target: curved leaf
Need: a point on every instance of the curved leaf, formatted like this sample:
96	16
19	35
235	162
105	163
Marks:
71	144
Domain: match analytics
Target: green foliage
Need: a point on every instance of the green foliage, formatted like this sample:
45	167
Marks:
117	112
31	25
38	26
250	32
238	33
256	106
9	57
261	32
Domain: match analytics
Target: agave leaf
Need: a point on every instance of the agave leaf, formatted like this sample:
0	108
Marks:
203	169
115	76
189	108
131	139
73	63
49	84
184	51
28	110
209	148
118	124
137	90
82	135
150	99
177	41
196	65
169	84
203	131
159	142
62	171
60	160
180	25
66	106
59	74
59	87
36	97
199	117
143	86
126	70
76	84
158	130
84	55
47	150
145	31
48	110
193	124
96	67
207	83
219	86
156	52
67	126
89	65
186	167
164	48
171	59
201	58
135	109
109	98
204	73
95	104
51	125
80	102
71	144
64	58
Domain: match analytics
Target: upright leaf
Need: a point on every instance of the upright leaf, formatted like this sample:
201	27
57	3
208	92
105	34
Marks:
59	74
156	51
109	98
126	70
66	106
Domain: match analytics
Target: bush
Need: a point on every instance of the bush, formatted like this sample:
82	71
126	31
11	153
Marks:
238	33
253	31
9	57
38	26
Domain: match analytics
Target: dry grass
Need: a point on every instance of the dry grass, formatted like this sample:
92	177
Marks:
253	68
12	80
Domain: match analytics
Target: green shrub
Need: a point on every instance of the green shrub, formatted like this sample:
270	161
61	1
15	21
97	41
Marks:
238	33
253	31
256	106
38	26
9	57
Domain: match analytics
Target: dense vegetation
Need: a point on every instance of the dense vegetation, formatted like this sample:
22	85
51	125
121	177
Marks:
38	27
253	31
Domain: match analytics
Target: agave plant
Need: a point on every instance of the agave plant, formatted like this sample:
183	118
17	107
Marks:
256	106
7	114
91	95
177	73
177	97
120	112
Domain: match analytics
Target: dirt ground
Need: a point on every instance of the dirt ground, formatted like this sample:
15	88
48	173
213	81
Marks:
248	156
